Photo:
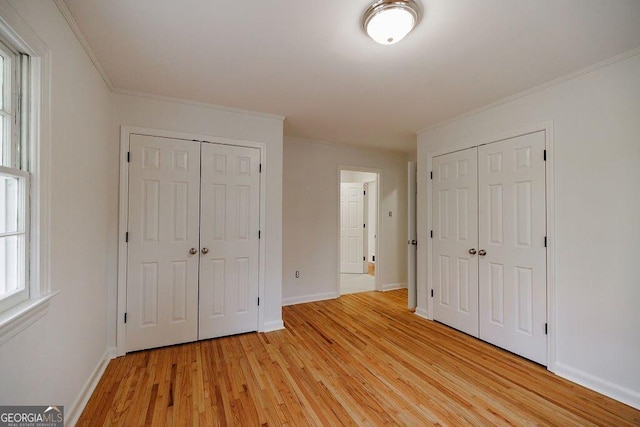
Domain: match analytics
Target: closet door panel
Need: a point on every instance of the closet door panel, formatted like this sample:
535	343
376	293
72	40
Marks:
455	234
230	219
512	274
162	273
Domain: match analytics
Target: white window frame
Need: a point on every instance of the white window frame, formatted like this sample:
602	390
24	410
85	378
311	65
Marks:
35	157
20	295
15	165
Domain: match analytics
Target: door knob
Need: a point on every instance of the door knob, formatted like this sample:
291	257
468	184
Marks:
472	251
205	251
482	252
193	251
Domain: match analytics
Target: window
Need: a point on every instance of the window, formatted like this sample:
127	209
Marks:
25	119
14	179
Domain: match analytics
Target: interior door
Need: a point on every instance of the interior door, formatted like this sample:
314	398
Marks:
230	222
372	221
412	241
511	180
367	226
351	228
455	234
162	260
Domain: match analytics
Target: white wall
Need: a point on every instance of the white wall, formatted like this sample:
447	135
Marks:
311	216
596	133
226	123
51	360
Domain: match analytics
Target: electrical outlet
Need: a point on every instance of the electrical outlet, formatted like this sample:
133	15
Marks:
297	274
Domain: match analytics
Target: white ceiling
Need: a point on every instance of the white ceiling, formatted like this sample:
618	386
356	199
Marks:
311	62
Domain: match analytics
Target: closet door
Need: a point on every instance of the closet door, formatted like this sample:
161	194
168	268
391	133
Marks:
455	240
162	257
229	224
512	227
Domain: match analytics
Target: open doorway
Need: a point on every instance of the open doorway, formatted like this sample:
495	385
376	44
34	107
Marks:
358	230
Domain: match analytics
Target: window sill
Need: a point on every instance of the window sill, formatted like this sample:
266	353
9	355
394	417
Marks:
18	318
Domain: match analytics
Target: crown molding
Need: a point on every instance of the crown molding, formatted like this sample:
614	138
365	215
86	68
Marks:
589	69
64	10
200	104
303	141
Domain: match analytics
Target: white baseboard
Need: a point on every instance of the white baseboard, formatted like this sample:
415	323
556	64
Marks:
422	312
274	325
393	286
614	391
310	298
72	415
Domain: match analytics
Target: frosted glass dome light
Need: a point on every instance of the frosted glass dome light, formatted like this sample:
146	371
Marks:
389	21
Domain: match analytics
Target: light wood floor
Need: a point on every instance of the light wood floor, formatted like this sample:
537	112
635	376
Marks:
361	359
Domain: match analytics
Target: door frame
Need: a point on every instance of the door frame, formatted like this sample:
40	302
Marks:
379	234
365	232
427	281
123	214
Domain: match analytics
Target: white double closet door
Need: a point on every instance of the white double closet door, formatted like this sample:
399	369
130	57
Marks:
489	254
192	262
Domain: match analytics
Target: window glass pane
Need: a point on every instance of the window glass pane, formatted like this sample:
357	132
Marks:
11	265
4	145
1	83
9	204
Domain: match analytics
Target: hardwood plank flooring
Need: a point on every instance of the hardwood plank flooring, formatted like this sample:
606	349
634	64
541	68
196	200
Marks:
363	359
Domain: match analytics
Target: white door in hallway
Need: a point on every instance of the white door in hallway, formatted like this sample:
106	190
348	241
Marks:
351	228
412	236
230	222
455	240
511	181
162	271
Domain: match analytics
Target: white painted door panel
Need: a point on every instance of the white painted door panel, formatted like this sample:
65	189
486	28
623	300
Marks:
512	274
412	189
365	221
351	228
162	276
455	232
230	209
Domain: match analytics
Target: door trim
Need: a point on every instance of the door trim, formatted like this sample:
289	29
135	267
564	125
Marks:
379	233
121	297
547	127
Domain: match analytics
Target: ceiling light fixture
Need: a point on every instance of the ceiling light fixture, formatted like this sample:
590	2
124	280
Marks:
389	21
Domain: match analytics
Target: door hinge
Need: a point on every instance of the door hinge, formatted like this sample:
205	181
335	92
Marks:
125	318
126	237
259	234
373	258
544	155
431	234
546	329
364	192
258	300
260	168
128	156
364	258
431	293
431	174
545	241
364	225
